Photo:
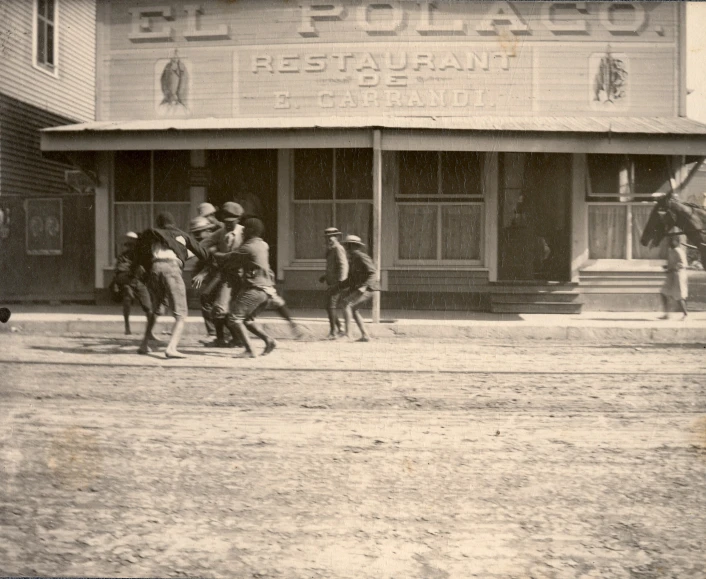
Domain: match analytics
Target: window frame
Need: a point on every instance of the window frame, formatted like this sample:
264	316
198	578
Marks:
151	202
628	199
51	70
333	202
439	200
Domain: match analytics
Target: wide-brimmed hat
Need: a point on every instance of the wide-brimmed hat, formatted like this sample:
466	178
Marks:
331	231
131	236
231	210
199	224
352	240
206	209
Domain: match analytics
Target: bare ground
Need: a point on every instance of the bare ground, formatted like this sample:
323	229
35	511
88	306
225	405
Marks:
391	459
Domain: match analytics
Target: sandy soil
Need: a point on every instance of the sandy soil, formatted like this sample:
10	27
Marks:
384	460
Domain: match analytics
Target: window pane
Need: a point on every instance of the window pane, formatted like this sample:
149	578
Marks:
640	215
313	174
461	173
652	173
460	231
354	173
130	217
171	175
41	42
355	219
50	45
604	173
606	231
419	172
42	8
50	10
417	231
310	220
132	176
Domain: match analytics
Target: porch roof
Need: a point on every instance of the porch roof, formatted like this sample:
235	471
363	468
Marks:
659	135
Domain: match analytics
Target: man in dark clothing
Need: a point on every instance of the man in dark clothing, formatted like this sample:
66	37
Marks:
163	251
129	281
361	284
224	240
336	272
252	258
206	276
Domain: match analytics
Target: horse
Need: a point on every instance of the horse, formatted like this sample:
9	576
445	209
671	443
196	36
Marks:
670	212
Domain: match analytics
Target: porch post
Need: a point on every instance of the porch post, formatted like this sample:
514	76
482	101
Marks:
377	215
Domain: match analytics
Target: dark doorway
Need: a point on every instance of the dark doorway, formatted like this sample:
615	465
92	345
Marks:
248	177
534	217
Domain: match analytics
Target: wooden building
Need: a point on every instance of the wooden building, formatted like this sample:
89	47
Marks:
494	155
46	80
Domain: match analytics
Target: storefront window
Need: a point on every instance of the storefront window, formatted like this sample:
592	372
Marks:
147	183
619	191
439	207
332	188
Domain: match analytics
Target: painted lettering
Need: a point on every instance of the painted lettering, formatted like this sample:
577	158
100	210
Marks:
401	65
422	59
392	98
414	100
472	59
142	24
315	62
502	13
288	63
449	60
326	99
370	98
367	62
437	98
388	26
460	98
369	79
193	32
634	24
479	98
564	26
426	26
262	62
342	60
312	11
347	101
397	80
282	99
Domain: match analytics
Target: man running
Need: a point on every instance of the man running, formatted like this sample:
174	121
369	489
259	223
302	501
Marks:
362	283
206	276
253	259
164	251
129	278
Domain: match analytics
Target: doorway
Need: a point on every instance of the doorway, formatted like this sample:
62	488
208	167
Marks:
248	177
534	217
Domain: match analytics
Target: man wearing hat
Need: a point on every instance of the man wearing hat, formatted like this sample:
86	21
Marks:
225	240
128	280
361	284
206	276
336	272
208	211
257	288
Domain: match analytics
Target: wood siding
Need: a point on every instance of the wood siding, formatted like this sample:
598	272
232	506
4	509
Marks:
23	170
269	62
25	174
71	93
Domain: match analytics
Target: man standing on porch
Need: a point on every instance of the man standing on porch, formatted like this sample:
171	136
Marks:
336	272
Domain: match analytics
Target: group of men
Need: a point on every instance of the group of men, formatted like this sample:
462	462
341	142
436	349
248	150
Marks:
233	277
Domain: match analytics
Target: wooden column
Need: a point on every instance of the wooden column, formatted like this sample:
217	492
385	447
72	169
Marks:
579	216
104	227
377	215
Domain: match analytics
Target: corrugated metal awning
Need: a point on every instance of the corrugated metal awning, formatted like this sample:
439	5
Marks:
552	134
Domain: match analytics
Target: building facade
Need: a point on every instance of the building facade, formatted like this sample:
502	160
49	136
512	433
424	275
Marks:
47	79
493	155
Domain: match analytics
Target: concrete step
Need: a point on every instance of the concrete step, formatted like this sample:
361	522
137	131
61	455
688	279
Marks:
536	307
535	297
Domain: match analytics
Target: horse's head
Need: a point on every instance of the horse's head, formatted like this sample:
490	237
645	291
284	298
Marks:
659	222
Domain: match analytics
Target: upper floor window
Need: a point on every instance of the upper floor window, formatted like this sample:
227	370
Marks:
46	34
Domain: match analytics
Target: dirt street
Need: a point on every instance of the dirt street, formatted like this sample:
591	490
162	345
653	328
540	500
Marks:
328	460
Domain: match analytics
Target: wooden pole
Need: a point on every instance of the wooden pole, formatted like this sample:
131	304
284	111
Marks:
377	215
